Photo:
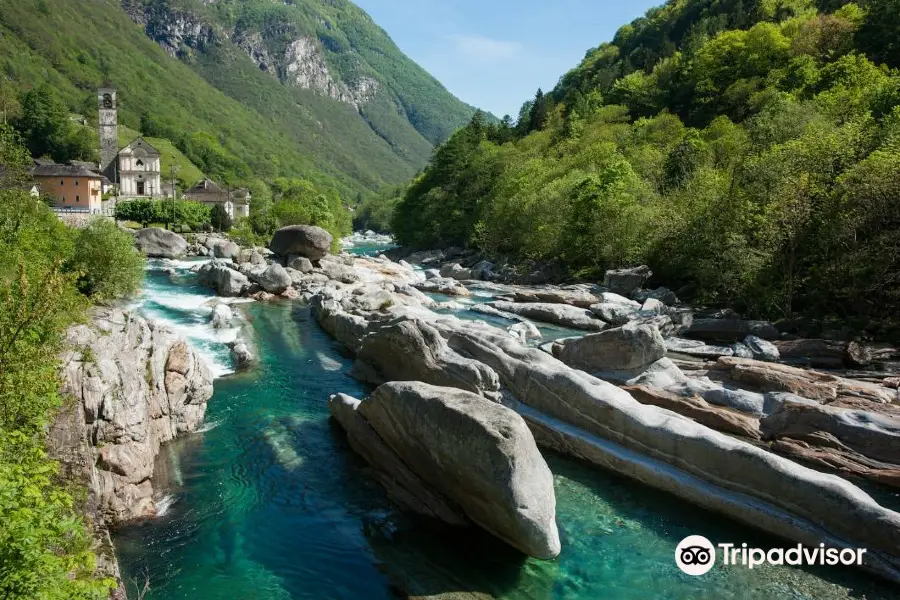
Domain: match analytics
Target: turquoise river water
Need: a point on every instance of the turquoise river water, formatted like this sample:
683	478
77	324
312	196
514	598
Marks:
267	502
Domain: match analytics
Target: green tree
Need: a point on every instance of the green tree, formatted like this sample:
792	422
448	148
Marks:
219	219
106	261
879	34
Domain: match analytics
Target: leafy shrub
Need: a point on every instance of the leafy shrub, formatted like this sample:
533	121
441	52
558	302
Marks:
107	263
187	213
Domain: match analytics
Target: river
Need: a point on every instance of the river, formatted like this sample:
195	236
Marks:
268	502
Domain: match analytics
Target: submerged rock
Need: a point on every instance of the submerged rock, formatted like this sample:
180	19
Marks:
160	243
478	455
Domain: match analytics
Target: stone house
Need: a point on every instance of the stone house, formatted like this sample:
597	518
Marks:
207	191
71	186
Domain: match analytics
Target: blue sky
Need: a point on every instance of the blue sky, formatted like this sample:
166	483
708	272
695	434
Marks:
494	54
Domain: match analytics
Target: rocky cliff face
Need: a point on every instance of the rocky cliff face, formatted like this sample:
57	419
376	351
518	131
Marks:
177	32
300	64
129	386
133	386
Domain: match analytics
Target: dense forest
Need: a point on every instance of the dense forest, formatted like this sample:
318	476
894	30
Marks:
746	149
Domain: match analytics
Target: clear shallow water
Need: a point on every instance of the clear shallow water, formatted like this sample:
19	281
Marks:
269	503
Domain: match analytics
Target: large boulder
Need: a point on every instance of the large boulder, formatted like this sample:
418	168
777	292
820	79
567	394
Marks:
626	281
222	278
478	454
442	285
222	248
302	240
626	348
761	349
415	351
576	297
615	313
274	279
455	271
160	243
300	263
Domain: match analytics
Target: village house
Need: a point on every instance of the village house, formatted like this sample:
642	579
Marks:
207	191
71	186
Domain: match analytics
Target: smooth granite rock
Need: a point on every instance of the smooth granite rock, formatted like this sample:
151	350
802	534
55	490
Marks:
301	240
559	314
478	454
632	346
160	243
415	351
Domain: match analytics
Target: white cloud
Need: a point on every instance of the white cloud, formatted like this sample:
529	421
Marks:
485	49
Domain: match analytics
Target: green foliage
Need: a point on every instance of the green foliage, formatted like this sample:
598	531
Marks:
375	212
44	547
185	213
45	126
299	202
219	219
107	263
748	149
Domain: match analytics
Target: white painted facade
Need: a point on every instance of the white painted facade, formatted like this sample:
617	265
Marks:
139	170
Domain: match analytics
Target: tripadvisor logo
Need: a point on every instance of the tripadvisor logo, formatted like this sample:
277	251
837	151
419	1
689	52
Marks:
696	555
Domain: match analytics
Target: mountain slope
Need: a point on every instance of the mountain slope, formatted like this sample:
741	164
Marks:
329	47
195	80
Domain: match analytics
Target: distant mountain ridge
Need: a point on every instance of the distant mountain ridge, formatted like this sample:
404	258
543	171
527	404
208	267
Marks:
310	88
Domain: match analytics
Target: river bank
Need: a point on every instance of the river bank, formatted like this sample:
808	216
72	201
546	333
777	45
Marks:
269	462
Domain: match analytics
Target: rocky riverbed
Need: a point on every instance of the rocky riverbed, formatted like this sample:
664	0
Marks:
699	406
724	413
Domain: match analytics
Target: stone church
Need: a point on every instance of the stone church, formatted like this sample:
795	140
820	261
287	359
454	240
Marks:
135	169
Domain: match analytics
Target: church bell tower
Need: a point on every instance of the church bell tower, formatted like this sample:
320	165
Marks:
109	131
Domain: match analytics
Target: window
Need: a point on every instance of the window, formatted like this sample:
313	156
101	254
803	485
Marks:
76	182
139	163
61	182
77	199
